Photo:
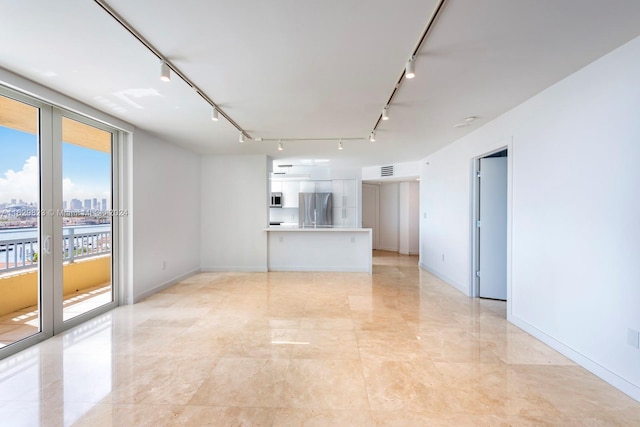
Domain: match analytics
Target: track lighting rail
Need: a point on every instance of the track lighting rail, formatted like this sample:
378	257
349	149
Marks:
425	33
123	22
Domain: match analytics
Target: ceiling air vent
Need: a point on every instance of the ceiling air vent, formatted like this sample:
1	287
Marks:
386	171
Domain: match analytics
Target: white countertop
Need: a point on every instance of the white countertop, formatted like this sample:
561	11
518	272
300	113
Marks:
329	229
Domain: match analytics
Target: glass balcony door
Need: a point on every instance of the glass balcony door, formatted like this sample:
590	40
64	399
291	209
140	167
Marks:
86	221
57	225
24	231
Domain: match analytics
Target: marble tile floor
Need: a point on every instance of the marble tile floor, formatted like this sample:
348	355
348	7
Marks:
396	348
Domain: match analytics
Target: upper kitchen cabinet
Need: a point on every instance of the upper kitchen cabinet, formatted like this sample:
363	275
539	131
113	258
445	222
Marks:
323	186
345	193
290	190
345	202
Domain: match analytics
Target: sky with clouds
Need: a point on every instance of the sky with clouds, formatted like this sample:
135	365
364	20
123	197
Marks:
86	173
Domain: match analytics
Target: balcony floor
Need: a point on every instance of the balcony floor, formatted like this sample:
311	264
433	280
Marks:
24	323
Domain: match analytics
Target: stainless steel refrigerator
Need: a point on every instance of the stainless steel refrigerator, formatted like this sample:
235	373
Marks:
314	210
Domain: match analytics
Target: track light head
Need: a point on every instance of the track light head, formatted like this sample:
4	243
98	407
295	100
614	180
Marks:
241	139
372	137
410	69
280	146
340	147
214	114
165	72
385	114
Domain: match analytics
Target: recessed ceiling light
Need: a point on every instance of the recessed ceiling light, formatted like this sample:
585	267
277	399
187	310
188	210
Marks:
461	125
470	118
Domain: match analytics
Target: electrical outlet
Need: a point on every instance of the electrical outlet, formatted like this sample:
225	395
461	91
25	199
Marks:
633	338
424	215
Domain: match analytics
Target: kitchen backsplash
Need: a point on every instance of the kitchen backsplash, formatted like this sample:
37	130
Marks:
283	215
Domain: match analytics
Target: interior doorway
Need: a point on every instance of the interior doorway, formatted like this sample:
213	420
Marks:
490	258
370	211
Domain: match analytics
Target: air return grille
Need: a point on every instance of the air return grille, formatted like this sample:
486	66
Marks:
386	171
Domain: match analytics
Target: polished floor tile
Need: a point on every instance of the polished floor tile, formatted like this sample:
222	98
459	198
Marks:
395	348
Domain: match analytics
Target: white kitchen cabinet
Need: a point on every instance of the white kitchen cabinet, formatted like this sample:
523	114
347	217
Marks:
323	186
290	190
307	187
345	193
344	217
345	202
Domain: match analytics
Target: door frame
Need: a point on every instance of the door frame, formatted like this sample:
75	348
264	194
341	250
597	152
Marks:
59	325
50	163
45	228
376	226
474	249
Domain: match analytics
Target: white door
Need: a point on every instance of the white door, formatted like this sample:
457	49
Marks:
492	231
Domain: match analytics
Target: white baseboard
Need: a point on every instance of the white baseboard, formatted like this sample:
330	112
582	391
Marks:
312	268
600	371
163	286
464	288
409	252
234	268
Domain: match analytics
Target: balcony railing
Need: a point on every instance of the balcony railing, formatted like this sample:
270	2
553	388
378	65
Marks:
22	253
18	254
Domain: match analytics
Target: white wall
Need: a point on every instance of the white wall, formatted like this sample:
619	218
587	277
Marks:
153	170
165	209
575	213
408	218
388	232
234	211
406	170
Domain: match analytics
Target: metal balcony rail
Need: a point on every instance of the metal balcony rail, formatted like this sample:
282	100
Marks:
23	254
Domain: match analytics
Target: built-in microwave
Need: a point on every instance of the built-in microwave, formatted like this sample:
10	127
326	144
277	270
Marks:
276	200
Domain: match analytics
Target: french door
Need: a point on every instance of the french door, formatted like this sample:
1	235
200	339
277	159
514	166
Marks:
57	224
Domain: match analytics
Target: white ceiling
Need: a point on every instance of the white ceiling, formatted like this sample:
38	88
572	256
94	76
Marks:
302	69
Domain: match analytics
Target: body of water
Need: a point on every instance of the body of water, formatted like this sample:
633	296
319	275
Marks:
15	253
30	233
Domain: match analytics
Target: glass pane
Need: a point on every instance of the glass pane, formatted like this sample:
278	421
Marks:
19	221
86	194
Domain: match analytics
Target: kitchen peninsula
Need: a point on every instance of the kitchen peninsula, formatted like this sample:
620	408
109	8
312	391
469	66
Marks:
291	248
314	218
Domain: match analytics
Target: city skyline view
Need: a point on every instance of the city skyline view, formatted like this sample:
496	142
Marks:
86	172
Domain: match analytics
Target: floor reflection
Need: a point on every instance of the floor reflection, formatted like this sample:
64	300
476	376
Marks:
398	347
